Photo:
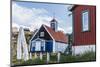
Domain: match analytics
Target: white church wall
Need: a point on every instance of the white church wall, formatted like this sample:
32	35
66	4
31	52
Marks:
76	50
54	50
60	47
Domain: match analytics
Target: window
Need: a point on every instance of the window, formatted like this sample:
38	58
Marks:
53	25
33	44
85	21
38	45
41	34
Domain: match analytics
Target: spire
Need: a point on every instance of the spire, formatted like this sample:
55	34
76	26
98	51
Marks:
53	23
54	15
53	20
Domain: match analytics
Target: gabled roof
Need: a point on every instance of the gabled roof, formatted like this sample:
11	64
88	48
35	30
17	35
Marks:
73	7
58	36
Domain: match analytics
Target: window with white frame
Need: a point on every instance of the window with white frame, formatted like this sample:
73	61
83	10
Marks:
41	34
38	46
33	44
85	20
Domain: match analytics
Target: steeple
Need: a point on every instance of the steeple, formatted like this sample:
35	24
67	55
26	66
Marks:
54	24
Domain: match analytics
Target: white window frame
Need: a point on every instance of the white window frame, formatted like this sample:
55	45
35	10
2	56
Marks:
38	46
33	44
85	21
53	25
41	34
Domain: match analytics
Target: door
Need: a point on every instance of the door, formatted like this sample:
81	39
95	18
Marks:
49	46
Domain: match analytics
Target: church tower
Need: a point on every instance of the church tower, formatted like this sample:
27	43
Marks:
54	24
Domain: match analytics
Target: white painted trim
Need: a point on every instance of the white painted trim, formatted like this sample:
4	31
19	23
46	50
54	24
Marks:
37	39
53	46
39	29
82	49
29	45
38	46
48	32
42	40
44	45
36	33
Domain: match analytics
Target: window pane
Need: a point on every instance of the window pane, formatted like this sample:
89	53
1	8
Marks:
41	34
85	21
38	45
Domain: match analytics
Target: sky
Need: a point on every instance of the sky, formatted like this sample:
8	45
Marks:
32	15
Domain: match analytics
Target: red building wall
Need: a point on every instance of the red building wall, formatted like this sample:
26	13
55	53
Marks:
87	37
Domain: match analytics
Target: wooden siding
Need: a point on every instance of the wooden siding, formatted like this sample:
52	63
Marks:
87	37
60	47
46	35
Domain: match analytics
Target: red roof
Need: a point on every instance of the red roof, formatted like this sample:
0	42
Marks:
58	36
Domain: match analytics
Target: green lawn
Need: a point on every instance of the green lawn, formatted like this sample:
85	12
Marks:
88	56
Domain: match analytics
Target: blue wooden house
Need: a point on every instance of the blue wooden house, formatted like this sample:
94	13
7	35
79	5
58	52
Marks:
48	39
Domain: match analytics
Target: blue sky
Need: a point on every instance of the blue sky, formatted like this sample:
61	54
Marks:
32	15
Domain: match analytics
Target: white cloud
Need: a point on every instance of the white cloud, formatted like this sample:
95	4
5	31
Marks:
24	14
69	29
15	25
61	29
39	21
33	18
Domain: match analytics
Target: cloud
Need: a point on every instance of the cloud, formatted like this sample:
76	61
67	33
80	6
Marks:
39	21
15	25
61	29
69	29
33	18
24	14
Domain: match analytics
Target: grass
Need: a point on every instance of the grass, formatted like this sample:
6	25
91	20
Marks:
87	56
35	61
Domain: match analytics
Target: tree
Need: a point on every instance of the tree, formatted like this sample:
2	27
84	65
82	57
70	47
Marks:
69	48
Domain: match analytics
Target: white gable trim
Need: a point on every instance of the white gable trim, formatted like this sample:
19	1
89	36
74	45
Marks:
39	29
35	33
49	33
38	39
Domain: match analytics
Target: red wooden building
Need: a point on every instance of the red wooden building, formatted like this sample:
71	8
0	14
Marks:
84	28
